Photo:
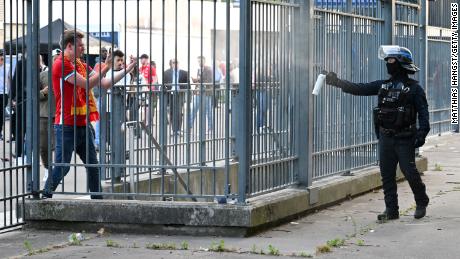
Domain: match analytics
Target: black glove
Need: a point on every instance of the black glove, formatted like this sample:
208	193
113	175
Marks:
331	79
419	139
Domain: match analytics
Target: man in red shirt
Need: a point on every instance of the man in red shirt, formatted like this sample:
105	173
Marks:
71	77
148	71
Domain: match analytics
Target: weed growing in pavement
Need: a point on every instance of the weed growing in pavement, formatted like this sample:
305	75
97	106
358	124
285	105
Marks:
305	255
162	246
273	250
254	249
437	167
336	242
360	242
323	249
218	247
111	243
184	245
404	212
74	241
29	248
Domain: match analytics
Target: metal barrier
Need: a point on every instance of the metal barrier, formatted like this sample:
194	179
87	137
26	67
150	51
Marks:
347	37
15	118
273	89
438	64
240	123
164	134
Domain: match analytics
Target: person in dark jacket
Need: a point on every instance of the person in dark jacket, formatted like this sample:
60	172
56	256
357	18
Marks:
47	111
176	81
18	99
401	101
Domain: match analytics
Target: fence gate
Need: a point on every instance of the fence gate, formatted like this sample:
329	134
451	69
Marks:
274	86
17	124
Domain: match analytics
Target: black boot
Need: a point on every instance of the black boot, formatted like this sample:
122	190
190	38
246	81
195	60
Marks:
388	215
420	212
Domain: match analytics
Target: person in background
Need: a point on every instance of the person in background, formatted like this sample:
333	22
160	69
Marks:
205	78
47	109
176	81
4	83
18	103
149	73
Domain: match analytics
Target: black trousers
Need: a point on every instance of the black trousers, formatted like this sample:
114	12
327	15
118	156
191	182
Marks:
392	151
3	104
19	127
176	105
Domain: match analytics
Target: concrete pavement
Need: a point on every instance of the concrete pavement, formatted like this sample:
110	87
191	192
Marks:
353	221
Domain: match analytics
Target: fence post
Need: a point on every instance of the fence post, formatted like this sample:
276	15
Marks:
348	98
304	99
423	37
32	111
389	15
244	107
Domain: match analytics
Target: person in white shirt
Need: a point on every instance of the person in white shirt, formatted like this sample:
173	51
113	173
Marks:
118	88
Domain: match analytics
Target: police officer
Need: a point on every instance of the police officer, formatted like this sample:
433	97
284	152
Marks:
401	100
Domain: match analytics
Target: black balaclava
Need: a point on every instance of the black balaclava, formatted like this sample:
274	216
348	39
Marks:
393	68
396	70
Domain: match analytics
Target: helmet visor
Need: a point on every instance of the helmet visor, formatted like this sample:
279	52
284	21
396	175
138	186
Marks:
388	50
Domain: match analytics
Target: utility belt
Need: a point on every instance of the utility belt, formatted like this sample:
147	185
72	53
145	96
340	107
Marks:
399	133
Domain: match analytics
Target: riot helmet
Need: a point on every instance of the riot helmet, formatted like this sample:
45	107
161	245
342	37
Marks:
401	54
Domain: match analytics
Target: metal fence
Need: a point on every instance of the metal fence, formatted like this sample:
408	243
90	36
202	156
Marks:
438	57
273	89
238	124
347	37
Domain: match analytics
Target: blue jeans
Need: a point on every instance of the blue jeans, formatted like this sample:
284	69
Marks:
65	147
196	106
262	106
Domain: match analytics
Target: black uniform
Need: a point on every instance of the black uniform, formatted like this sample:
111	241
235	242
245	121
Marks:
401	101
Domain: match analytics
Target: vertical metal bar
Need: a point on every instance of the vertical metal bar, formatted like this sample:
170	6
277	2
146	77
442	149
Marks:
175	98
6	76
389	15
423	38
50	123
153	98
35	134
244	99
29	91
214	103
228	92
202	99
163	129
304	50
189	96
348	98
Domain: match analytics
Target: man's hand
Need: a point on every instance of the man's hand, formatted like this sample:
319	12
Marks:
419	140
131	65
45	90
108	60
331	78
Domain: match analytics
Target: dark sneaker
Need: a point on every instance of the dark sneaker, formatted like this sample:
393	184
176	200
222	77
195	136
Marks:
420	212
386	215
46	196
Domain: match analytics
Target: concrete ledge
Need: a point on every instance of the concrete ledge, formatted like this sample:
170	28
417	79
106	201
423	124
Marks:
200	218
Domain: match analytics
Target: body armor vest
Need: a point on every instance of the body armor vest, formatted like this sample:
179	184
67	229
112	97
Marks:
395	111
